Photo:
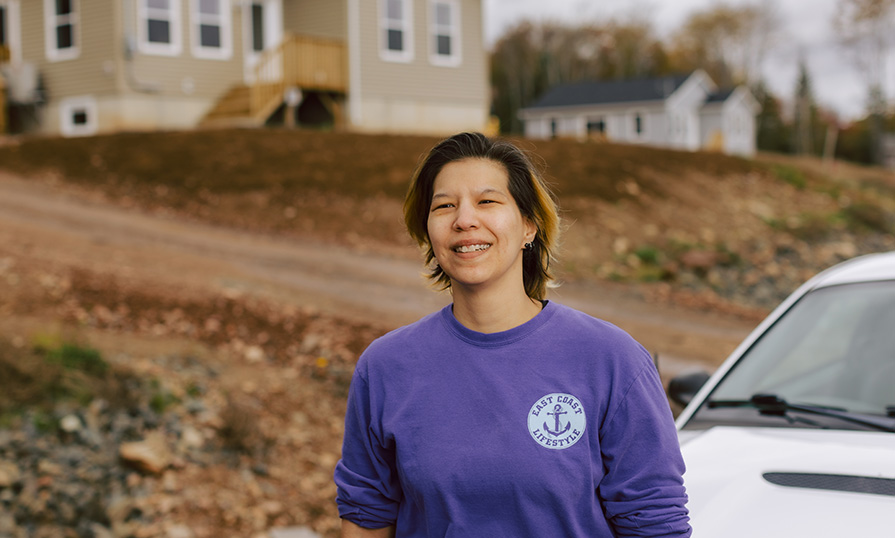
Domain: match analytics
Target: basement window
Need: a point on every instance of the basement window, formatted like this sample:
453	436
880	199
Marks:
78	116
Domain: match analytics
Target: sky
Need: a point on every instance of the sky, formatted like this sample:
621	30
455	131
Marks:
806	29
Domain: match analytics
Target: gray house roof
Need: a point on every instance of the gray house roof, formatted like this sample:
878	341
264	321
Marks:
720	96
616	91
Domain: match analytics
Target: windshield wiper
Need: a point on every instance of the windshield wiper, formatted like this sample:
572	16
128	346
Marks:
773	405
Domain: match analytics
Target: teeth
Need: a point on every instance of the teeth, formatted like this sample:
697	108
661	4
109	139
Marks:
472	248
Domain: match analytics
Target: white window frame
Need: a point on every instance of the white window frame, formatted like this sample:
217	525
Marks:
13	25
69	106
455	58
405	25
173	16
223	20
52	21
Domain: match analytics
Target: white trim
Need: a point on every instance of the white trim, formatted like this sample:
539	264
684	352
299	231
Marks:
452	31
223	20
354	63
52	21
13	30
70	106
172	16
272	24
404	25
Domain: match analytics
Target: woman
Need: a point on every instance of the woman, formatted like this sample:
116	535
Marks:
503	414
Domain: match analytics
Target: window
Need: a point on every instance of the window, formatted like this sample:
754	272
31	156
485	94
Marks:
444	28
61	29
596	126
211	29
396	30
638	125
158	27
257	27
3	18
78	116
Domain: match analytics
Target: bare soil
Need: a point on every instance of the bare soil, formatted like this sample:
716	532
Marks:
276	257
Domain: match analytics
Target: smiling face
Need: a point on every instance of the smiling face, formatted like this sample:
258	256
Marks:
475	228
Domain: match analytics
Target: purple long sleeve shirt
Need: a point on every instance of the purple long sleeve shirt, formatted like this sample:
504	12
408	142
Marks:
558	427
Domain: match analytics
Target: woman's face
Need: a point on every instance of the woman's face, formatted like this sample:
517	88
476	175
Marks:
475	227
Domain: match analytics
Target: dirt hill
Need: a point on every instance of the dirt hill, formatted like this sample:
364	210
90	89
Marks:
145	398
701	226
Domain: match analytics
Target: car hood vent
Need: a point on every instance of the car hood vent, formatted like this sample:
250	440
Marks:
834	482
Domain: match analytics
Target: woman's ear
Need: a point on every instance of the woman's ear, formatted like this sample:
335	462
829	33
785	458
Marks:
531	231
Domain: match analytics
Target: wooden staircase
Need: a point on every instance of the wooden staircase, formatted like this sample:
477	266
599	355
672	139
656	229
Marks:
307	63
232	109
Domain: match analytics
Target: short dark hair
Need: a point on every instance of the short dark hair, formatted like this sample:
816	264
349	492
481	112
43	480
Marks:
526	185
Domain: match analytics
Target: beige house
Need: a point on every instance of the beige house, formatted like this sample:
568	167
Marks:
79	67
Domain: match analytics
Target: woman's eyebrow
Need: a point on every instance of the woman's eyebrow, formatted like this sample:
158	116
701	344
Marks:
487	191
493	191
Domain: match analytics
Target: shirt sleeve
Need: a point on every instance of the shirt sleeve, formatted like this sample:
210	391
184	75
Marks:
368	491
642	489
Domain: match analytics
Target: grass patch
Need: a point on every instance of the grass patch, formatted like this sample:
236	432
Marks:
868	216
790	175
79	358
55	370
648	255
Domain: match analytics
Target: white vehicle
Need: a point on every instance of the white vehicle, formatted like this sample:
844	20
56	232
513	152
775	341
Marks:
794	434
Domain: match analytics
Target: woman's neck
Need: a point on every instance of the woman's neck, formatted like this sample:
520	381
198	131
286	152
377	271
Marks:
490	312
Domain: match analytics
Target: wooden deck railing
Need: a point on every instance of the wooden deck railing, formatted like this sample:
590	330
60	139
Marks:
306	63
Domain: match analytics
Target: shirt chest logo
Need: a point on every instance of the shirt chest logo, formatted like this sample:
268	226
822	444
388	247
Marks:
557	421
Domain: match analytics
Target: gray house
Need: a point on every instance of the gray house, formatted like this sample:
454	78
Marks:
79	67
685	112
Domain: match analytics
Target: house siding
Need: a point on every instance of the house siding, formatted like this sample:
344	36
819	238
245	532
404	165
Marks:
688	118
94	70
730	126
619	119
184	76
318	19
684	107
417	96
137	89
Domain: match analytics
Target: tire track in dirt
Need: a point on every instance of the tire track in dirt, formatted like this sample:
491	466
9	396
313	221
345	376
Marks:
74	227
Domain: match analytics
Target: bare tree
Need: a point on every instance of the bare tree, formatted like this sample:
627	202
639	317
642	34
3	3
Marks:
866	29
729	42
531	58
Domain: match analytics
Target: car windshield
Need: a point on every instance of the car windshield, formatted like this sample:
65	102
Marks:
834	348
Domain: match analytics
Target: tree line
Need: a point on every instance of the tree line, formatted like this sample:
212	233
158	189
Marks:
729	42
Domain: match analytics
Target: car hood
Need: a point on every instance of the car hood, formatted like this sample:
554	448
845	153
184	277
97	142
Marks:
747	482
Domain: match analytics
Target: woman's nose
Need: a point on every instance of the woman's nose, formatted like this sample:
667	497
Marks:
466	217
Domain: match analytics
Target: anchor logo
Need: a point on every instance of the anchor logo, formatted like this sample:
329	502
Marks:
557	420
557	413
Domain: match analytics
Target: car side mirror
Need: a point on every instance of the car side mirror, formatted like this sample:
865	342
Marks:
684	387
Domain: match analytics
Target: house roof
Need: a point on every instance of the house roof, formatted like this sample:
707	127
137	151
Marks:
616	91
720	96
